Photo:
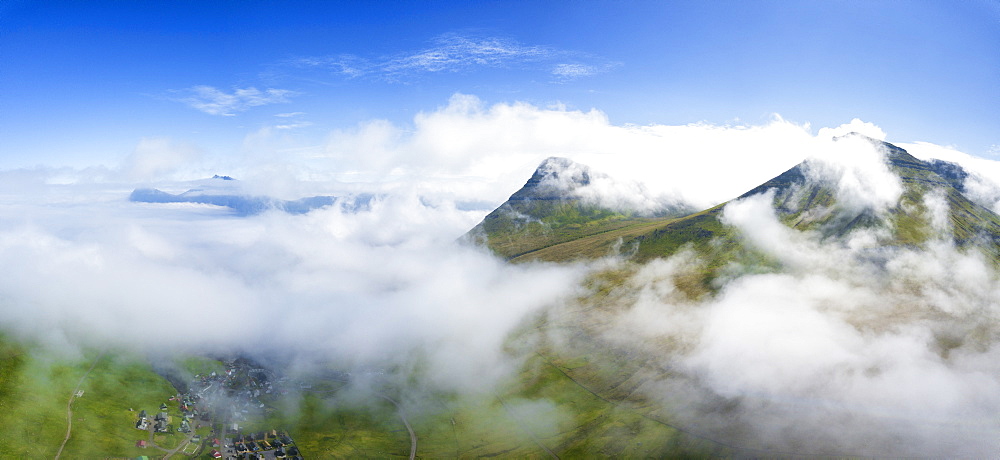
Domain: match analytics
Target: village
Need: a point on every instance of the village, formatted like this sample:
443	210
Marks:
207	421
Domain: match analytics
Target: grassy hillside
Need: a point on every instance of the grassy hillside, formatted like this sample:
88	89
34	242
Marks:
515	230
544	409
35	387
548	211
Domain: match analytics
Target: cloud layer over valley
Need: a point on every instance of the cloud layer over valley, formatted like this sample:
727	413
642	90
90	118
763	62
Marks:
847	348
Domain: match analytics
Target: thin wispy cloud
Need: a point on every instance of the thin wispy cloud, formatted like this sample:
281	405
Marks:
454	53
451	53
214	101
300	124
571	71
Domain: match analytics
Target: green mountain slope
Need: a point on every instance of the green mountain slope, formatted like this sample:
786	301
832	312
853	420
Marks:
547	212
931	207
558	229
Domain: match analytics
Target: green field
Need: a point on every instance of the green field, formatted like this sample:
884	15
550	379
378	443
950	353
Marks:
35	387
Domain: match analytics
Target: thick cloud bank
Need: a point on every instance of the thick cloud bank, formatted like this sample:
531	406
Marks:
385	287
849	349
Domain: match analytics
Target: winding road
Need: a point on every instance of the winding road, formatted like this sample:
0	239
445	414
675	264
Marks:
413	436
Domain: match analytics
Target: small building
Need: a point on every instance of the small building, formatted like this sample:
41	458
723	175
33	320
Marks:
143	421
215	454
141	443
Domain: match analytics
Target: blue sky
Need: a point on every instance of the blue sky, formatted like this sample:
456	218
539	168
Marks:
83	83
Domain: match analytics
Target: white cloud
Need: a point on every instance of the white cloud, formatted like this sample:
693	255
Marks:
453	52
855	126
374	288
500	145
345	65
893	351
301	124
573	70
213	101
858	169
983	183
156	158
456	52
840	351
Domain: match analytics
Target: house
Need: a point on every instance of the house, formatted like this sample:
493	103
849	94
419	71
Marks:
215	454
162	416
143	422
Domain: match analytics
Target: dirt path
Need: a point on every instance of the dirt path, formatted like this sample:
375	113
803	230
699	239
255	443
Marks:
413	436
69	405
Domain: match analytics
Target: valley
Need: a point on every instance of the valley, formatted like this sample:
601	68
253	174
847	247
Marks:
599	374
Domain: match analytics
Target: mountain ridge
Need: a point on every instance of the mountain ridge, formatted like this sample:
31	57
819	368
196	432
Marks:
800	201
229	196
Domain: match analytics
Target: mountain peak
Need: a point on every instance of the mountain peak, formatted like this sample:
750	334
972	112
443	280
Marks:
554	179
